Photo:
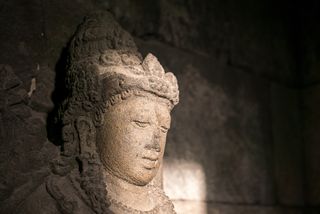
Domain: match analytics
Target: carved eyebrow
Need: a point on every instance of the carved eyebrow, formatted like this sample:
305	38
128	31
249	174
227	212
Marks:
164	129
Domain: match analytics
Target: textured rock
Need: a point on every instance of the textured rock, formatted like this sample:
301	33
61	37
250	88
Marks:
239	33
23	142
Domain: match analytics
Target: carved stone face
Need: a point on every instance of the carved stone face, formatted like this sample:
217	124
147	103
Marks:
132	140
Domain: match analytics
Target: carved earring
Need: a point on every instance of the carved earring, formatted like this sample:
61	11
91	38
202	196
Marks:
86	135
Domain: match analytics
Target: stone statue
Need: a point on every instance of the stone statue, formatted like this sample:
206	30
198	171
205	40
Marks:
114	123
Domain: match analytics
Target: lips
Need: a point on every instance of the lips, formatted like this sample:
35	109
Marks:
151	158
150	161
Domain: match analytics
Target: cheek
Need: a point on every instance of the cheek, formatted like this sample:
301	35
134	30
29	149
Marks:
128	143
112	140
139	137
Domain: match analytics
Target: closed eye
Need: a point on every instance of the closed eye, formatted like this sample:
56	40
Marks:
141	124
164	129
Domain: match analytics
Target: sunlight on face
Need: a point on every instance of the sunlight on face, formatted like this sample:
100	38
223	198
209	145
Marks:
133	138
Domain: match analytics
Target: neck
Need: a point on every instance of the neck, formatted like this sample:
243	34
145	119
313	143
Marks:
137	197
116	183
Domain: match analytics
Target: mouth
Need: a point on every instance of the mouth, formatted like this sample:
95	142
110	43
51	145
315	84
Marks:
151	158
150	162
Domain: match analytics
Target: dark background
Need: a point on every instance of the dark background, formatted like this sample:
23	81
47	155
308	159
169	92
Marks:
249	79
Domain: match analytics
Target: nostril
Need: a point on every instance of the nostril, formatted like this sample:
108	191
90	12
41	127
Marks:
154	145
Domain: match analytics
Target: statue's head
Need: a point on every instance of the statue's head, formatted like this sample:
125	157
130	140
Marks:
117	112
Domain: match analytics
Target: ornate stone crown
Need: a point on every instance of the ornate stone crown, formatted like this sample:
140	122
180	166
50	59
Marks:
128	72
101	47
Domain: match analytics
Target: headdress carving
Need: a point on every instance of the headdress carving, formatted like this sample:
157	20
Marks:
103	49
147	75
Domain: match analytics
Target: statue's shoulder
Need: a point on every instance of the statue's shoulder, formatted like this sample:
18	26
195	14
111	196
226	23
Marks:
56	195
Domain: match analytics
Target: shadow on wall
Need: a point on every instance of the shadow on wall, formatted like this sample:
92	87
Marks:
58	95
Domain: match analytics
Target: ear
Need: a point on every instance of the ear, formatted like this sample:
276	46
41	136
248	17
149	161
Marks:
86	134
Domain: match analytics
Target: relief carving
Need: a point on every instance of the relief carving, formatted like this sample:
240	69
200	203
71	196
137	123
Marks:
114	123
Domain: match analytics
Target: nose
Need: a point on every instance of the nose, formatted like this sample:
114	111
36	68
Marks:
155	142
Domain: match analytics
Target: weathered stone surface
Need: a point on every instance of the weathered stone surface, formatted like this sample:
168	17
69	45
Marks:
239	33
41	89
23	142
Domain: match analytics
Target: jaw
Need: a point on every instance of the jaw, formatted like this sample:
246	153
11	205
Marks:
141	177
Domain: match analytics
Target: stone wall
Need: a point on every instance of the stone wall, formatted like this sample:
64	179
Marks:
236	142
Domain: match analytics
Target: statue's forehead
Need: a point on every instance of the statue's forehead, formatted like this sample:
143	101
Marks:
145	105
146	102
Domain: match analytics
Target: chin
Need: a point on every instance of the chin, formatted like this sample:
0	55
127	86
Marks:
146	177
142	183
